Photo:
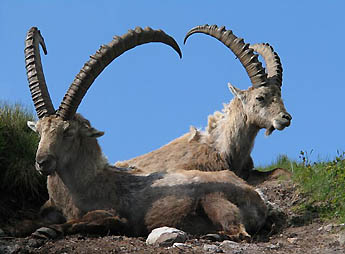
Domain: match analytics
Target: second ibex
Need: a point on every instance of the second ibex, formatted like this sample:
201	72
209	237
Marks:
227	142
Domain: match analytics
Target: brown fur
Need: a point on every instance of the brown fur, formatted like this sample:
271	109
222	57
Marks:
97	198
173	156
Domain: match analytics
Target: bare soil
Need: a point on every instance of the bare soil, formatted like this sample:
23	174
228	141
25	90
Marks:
289	232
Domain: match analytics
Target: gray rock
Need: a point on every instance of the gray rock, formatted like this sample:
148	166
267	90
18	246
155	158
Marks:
10	249
212	237
229	244
292	240
35	243
329	227
166	236
332	226
211	248
2	233
341	238
233	247
261	194
274	246
45	233
182	246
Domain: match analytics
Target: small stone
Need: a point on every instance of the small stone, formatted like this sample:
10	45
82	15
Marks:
210	248
212	237
11	249
274	246
329	227
292	240
166	236
341	238
182	246
261	194
232	247
229	244
35	243
45	233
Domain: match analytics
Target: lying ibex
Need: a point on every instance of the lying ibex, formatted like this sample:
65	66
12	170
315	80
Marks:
97	197
229	137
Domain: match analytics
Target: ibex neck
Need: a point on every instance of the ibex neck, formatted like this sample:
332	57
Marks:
88	163
232	134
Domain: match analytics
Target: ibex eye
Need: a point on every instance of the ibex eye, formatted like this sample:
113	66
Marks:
260	98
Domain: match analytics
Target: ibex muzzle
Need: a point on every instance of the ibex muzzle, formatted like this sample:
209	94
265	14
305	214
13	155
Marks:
283	121
45	163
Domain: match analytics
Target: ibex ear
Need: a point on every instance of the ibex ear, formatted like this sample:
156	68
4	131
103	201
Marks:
31	125
92	132
194	134
236	92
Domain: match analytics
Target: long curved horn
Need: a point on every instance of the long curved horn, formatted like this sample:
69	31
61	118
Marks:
242	51
102	58
34	71
273	65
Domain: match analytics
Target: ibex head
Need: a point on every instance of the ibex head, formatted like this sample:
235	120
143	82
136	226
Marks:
63	131
262	102
61	140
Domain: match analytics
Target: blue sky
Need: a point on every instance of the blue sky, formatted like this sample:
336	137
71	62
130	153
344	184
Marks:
148	96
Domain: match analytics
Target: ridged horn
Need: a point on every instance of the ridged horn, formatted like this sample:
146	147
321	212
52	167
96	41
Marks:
34	71
249	60
102	58
273	65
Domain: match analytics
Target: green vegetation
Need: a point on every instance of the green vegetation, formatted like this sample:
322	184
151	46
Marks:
322	183
20	183
281	162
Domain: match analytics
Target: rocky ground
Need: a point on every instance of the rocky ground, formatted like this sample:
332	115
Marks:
291	232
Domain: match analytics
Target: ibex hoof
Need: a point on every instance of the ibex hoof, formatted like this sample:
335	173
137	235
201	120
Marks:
242	236
46	233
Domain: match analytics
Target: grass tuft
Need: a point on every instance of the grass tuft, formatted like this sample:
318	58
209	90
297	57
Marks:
282	161
322	183
19	181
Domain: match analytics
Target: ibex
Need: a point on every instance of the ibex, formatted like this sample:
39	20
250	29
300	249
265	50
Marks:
229	137
99	198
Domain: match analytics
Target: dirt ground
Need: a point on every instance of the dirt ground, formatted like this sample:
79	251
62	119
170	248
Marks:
290	232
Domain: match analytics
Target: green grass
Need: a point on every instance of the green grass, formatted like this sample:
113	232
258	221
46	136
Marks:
19	181
322	183
282	161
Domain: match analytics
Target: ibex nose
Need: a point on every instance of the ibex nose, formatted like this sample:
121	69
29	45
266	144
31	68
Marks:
286	116
45	163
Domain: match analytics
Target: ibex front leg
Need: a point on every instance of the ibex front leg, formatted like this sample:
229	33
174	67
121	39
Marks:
225	215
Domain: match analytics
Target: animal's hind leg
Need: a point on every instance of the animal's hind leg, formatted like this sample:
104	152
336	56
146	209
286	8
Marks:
225	216
95	222
50	214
